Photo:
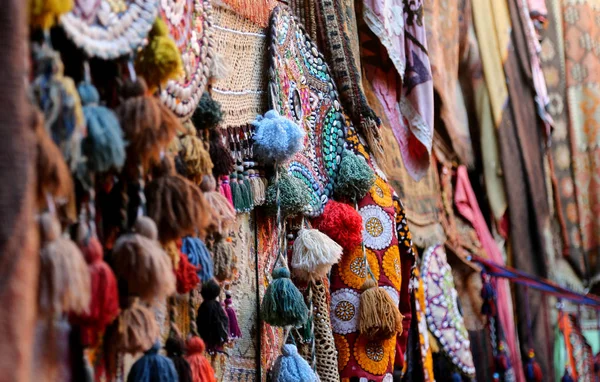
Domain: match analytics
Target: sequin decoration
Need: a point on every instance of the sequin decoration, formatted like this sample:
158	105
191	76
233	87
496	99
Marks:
378	227
441	309
352	267
190	25
301	89
109	29
392	267
374	356
343	350
344	311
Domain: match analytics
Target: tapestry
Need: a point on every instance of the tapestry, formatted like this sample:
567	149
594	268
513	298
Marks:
302	89
242	51
441	308
190	26
306	12
579	356
109	29
257	11
395	61
581	34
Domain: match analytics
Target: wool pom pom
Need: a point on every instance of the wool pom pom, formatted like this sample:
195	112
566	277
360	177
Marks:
342	223
220	155
314	253
293	195
103	146
175	348
290	366
202	370
283	304
64	277
45	13
104	304
355	177
187	276
379	317
198	256
153	367
160	60
234	327
211	319
533	371
195	158
567	376
276	138
208	113
224	258
223	213
141	263
135	330
177	206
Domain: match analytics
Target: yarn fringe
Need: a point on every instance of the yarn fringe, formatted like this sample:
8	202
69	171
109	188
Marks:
379	317
314	253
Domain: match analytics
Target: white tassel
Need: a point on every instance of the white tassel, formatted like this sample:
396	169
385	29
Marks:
314	254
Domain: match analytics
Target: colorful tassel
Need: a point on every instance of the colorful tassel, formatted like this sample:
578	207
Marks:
502	360
195	158
355	177
224	214
224	258
567	376
456	377
290	366
201	369
103	146
342	223
314	254
153	367
175	348
225	189
533	371
488	294
198	255
135	330
187	276
208	113
276	139
160	60
293	195
234	327
283	304
379	317
211	319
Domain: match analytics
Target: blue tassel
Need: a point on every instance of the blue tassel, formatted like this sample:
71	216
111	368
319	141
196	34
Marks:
103	146
153	367
276	138
289	367
283	304
567	376
197	254
456	377
488	294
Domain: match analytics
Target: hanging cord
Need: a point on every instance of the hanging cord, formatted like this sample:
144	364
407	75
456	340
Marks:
313	348
192	313
141	184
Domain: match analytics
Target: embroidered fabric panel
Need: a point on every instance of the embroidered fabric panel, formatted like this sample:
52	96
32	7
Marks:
301	89
441	308
190	25
109	29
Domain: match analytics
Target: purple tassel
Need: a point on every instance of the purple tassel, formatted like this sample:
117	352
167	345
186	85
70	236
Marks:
234	328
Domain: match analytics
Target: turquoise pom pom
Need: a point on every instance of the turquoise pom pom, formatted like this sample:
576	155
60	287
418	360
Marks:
276	138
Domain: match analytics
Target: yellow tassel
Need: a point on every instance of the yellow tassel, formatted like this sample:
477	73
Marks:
379	317
173	253
160	60
44	13
195	158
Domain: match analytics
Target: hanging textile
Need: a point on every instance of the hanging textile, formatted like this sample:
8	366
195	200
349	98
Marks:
579	356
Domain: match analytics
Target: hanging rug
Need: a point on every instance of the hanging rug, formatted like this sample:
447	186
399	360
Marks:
109	29
190	25
301	89
441	309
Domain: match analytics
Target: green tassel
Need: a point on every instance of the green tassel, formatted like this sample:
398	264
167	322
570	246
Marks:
250	196
283	304
307	330
293	195
355	177
236	194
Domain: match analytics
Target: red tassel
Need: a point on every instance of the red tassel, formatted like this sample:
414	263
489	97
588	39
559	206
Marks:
202	371
187	275
104	305
225	189
502	360
533	371
342	223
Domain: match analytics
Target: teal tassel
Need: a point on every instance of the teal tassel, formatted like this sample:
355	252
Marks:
283	304
250	196
355	177
293	195
236	194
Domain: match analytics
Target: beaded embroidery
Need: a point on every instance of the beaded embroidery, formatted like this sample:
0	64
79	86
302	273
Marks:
375	356
392	266
110	29
190	25
301	89
352	267
441	308
378	227
343	350
344	311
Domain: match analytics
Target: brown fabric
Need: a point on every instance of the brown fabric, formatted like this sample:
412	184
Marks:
18	236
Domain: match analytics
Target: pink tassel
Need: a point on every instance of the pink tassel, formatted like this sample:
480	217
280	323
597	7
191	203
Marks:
225	189
234	328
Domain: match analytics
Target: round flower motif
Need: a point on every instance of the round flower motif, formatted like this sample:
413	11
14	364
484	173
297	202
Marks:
381	193
375	357
344	311
343	350
393	292
378	227
352	267
392	266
